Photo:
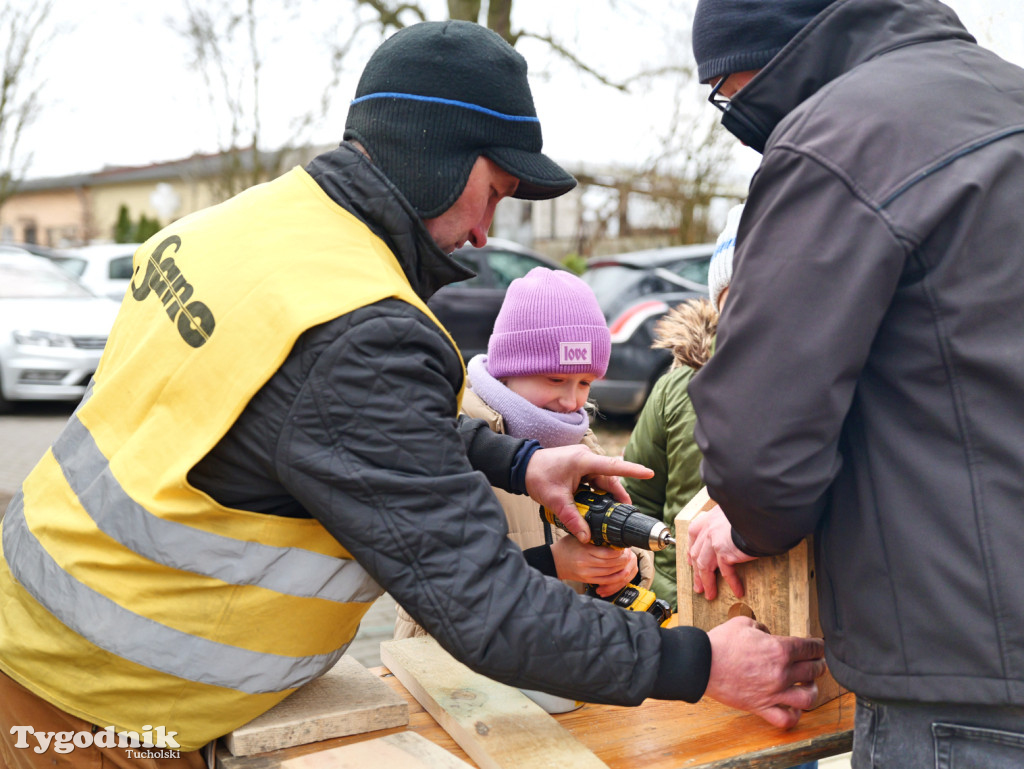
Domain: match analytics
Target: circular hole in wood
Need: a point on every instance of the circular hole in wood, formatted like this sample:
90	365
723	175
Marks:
741	610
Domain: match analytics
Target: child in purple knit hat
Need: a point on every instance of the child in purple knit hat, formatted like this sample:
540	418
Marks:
549	343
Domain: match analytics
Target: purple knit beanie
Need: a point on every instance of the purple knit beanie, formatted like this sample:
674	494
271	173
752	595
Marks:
549	323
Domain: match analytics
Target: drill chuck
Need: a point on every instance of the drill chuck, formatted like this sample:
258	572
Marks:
627	527
616	524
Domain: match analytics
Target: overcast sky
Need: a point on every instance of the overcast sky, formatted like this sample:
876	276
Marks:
118	90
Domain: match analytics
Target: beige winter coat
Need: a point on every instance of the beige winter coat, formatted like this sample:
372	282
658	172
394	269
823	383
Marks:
525	527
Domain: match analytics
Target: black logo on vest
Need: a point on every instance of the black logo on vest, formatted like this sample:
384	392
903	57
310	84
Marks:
164	280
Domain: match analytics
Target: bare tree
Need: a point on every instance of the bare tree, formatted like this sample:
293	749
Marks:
669	198
689	172
498	17
393	15
231	54
230	42
464	10
230	49
24	36
677	187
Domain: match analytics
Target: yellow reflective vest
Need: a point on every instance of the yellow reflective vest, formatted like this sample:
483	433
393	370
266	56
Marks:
128	597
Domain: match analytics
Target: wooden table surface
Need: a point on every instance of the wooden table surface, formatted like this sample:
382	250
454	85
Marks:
656	735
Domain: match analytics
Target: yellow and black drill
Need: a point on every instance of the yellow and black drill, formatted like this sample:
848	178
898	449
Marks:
616	524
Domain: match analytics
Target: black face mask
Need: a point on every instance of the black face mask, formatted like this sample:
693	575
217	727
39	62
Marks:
743	128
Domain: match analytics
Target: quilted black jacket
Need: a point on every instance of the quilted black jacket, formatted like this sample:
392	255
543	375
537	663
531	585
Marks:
358	428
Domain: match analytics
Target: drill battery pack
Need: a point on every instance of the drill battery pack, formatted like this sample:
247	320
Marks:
636	598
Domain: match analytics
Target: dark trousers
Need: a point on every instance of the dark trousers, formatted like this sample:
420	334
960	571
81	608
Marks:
915	735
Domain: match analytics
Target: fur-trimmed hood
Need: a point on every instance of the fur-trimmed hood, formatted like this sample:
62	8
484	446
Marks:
688	331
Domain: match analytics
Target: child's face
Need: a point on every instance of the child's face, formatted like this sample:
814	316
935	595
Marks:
563	393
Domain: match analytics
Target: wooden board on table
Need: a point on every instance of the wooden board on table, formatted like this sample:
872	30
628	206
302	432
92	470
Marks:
347	699
780	592
404	750
684	576
498	726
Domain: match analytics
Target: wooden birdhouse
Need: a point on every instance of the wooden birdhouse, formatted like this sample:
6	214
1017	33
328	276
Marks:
780	592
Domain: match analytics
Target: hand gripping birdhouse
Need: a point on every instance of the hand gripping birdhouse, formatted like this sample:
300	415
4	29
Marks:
780	592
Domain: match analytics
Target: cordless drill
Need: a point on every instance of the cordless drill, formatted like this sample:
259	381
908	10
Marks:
618	525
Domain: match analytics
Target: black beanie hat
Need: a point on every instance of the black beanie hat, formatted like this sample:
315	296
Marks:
739	35
437	95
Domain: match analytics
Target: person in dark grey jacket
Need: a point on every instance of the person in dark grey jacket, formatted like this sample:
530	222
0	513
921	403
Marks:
868	382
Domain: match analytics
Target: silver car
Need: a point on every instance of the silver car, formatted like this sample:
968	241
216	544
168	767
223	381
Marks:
104	268
52	330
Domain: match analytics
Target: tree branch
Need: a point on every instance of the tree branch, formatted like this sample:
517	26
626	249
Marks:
571	57
464	10
499	18
388	15
23	42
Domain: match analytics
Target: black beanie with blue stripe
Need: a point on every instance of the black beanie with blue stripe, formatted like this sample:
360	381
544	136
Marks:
436	96
740	35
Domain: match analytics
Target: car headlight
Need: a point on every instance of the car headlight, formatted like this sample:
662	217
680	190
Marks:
42	339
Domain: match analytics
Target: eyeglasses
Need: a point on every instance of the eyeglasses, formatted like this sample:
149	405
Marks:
721	102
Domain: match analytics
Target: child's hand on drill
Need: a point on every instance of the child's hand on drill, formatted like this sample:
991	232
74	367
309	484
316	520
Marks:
608	568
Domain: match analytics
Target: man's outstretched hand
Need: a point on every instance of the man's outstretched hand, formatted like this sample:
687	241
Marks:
553	476
772	676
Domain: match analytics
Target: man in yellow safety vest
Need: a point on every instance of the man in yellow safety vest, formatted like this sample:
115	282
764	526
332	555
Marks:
271	441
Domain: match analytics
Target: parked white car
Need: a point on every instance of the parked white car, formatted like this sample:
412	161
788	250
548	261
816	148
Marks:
105	268
52	330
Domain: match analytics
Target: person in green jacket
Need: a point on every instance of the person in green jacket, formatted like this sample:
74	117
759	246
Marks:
663	436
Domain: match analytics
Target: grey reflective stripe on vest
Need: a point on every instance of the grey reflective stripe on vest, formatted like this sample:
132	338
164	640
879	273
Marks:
140	639
287	570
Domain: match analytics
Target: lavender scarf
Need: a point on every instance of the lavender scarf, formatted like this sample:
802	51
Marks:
522	418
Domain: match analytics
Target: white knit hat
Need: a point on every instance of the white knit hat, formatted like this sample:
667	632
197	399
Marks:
720	271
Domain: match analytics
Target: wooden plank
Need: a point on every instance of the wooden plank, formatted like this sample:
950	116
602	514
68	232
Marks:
348	699
405	750
684	589
498	726
800	587
658	734
780	592
665	734
776	589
